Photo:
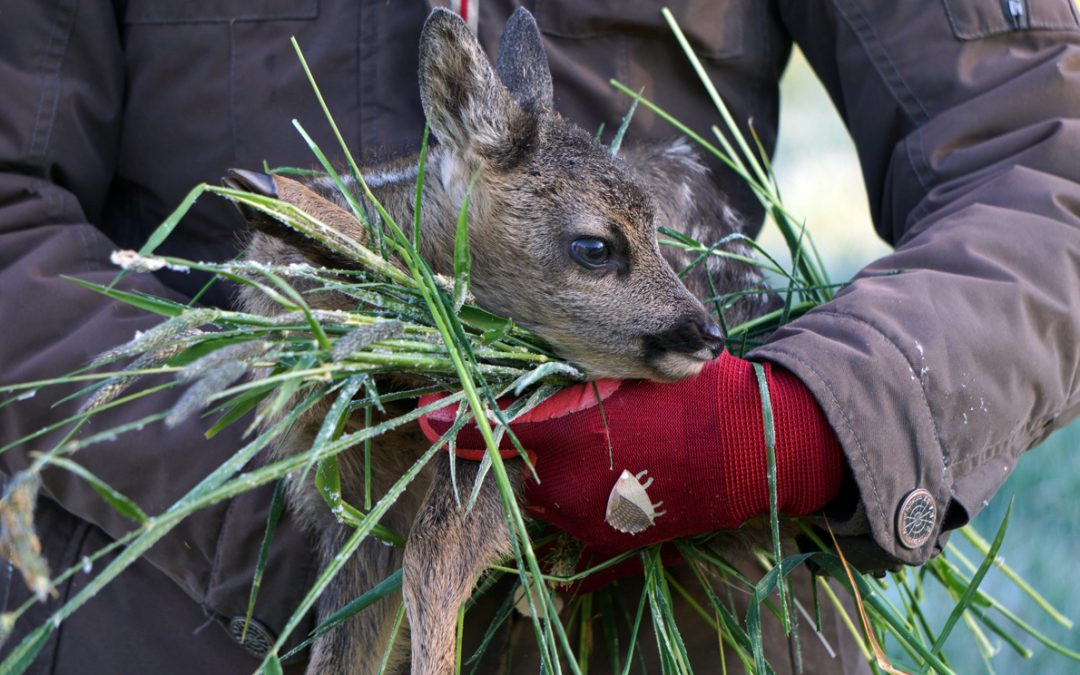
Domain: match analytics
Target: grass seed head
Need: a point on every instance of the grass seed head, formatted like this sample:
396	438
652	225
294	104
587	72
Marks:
199	394
366	336
18	541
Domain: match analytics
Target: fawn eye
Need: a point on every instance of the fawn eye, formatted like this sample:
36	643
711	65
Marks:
590	252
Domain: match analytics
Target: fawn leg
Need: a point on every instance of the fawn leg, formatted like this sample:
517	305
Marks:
446	552
357	645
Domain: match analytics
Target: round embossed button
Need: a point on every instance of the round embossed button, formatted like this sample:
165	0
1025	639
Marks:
915	518
258	640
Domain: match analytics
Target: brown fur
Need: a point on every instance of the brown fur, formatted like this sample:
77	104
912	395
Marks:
540	183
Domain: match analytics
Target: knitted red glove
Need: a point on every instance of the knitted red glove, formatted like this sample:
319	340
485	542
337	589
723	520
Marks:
701	442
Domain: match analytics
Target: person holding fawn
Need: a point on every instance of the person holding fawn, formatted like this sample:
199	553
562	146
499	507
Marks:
964	113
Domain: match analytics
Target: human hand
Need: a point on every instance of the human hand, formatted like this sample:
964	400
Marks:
649	462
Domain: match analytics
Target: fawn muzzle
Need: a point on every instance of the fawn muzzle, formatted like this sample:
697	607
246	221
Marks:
714	338
681	350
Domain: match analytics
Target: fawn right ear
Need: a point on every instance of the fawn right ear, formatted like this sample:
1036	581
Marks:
522	63
468	108
308	201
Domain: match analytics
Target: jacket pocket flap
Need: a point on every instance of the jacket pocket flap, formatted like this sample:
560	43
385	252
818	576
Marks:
974	19
217	11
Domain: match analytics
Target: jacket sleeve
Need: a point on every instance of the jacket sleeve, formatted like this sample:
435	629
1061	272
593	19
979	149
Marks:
62	74
946	360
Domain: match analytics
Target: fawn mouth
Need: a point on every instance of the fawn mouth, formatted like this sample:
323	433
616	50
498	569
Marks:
683	350
673	366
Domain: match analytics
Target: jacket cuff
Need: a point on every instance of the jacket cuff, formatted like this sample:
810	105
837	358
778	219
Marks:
871	391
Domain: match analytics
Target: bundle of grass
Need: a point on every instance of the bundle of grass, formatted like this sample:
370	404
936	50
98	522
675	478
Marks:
408	322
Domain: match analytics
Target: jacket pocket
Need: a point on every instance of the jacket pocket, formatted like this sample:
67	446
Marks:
715	28
974	19
218	11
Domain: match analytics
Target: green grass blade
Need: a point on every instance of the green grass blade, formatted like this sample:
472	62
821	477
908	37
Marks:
506	608
973	585
22	657
748	154
162	232
983	547
462	252
608	628
889	620
348	549
420	185
277	507
774	513
121	504
616	142
149	303
394	629
334	420
772	580
669	641
634	630
238	407
1009	615
209	490
272	667
585	633
383	589
457	638
294	295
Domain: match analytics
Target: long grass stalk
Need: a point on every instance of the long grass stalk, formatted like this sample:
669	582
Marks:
983	547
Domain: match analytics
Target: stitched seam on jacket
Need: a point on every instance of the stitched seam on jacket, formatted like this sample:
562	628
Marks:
1004	446
879	57
85	527
52	58
922	388
920	210
234	122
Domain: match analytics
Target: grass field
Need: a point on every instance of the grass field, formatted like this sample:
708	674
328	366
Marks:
1043	542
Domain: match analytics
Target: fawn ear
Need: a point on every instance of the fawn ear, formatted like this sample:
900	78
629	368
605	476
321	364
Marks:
468	108
522	64
296	193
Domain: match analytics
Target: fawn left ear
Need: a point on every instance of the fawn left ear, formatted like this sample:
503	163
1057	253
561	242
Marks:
468	108
522	63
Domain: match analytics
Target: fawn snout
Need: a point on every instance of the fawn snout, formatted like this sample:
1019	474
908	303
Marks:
681	350
698	336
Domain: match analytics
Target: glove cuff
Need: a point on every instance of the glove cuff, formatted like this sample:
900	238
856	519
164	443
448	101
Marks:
809	462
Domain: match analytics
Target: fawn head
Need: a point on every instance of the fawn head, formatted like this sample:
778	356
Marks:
563	236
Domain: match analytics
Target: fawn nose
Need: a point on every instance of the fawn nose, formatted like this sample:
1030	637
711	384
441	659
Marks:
695	335
712	336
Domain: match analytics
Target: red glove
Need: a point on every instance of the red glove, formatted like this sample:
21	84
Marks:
701	442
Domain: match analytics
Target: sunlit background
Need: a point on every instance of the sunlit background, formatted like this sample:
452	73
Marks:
820	181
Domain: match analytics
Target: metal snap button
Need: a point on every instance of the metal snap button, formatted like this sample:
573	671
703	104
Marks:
259	638
916	517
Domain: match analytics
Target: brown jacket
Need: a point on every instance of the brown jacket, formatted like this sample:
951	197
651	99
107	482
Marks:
938	367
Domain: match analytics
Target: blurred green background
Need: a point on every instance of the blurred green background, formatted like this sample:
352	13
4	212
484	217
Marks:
820	180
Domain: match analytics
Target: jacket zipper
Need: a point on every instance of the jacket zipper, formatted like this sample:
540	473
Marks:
1016	12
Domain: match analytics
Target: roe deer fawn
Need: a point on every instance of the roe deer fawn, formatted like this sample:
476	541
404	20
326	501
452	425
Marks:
563	240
